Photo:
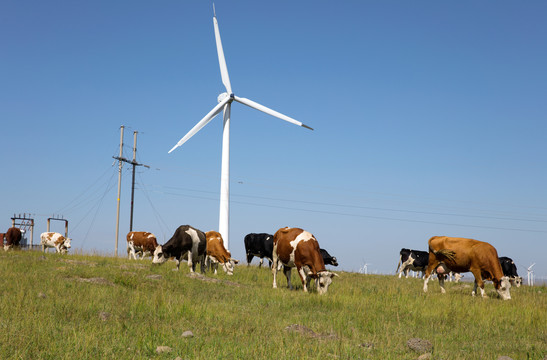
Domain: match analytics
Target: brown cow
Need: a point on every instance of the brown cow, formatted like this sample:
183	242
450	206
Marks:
13	238
216	253
462	255
140	242
294	247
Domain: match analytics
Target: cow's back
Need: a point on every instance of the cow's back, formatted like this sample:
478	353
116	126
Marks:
467	253
182	241
143	239
297	247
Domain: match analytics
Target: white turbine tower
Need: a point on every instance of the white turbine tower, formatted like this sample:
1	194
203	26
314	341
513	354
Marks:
531	275
364	269
224	103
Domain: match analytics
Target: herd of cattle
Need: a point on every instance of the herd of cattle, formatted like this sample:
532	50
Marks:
295	247
12	238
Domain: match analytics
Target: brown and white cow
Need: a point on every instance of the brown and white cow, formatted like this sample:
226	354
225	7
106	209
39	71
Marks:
141	242
13	238
54	240
462	255
216	253
294	247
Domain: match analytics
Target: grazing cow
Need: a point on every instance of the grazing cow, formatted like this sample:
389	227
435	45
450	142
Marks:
414	260
462	255
216	253
186	239
327	258
259	245
54	240
294	247
140	242
510	270
13	238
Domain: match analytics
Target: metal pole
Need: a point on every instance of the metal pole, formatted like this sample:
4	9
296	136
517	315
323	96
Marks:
48	220
31	232
66	228
133	181
119	191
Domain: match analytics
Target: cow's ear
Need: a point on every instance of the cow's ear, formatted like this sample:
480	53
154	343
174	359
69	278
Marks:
333	275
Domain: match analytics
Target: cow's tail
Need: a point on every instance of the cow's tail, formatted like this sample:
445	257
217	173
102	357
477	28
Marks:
449	254
399	263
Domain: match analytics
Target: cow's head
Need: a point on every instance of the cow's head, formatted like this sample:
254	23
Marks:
334	261
323	280
159	256
503	289
67	243
516	281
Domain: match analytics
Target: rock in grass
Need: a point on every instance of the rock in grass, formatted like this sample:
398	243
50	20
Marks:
163	349
420	345
187	334
41	295
425	356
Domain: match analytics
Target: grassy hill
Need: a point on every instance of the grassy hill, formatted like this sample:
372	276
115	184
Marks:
92	307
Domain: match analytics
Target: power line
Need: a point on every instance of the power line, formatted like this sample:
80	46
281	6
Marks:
360	206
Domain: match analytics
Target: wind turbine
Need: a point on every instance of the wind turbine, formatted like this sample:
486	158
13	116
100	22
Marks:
225	103
531	275
364	269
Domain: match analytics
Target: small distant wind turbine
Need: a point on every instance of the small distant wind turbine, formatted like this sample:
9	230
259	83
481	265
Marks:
224	103
531	275
363	269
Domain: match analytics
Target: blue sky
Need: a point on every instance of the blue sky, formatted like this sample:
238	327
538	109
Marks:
429	119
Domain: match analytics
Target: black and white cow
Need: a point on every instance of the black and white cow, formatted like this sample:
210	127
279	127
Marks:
259	245
186	240
414	260
510	270
327	258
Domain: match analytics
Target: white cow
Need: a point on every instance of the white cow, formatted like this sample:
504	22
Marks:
54	240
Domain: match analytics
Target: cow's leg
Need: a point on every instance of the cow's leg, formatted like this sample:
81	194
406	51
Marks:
249	259
479	283
190	262
274	269
433	263
202	264
304	278
441	282
287	272
177	262
260	263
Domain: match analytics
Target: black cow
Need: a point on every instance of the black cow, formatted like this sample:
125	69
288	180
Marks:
13	238
259	245
327	258
186	241
510	270
414	260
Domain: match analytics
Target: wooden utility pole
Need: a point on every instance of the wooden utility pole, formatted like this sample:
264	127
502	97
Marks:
121	160
135	164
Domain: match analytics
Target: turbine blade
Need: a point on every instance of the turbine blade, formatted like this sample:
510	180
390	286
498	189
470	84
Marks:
210	116
269	111
221	59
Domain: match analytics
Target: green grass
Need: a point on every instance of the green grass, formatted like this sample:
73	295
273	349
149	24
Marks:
92	307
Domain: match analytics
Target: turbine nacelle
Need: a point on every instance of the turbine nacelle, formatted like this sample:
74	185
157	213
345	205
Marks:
224	95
